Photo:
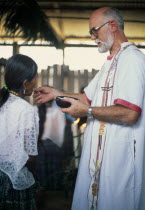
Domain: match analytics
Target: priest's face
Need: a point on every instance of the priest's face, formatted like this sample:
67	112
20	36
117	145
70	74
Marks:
100	31
106	45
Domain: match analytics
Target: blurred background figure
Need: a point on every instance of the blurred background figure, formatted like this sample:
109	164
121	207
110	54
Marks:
51	137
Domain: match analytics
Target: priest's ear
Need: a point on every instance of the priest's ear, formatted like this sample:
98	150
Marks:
113	25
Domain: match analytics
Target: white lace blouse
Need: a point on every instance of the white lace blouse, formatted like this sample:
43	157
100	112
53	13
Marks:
18	139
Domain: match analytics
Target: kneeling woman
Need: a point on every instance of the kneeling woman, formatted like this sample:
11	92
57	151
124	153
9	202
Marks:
18	135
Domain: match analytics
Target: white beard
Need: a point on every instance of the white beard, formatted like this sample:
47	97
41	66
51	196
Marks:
105	45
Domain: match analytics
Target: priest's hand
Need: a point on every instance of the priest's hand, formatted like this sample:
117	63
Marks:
77	108
44	94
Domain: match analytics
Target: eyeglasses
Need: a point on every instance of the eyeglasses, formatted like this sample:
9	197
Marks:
94	31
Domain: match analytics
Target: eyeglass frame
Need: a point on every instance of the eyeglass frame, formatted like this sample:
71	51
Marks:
97	28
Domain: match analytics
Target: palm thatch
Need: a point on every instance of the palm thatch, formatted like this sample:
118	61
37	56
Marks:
25	17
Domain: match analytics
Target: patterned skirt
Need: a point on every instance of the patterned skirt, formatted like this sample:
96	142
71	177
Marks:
11	199
49	166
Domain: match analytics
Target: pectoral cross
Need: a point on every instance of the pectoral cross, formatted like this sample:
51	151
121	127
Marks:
107	89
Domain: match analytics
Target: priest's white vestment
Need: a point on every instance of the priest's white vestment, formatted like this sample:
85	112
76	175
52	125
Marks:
118	149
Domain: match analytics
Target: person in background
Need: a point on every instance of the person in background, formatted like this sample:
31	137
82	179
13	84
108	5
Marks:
50	140
111	174
19	133
55	145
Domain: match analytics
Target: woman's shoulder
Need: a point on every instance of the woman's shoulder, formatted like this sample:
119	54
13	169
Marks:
19	104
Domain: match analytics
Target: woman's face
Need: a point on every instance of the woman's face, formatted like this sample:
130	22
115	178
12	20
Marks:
30	86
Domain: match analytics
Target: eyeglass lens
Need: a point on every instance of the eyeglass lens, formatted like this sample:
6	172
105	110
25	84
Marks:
94	31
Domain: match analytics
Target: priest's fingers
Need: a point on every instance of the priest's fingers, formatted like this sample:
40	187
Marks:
38	99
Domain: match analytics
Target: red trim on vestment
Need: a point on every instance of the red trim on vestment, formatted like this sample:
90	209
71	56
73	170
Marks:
109	57
127	104
88	100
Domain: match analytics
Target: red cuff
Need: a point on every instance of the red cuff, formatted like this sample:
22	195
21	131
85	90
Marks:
127	104
88	100
109	57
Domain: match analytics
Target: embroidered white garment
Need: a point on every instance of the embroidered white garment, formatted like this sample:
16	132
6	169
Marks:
18	138
122	174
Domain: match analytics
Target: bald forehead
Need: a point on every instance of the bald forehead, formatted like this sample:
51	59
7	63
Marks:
99	12
97	17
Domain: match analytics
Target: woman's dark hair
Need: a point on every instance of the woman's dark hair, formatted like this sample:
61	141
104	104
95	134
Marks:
18	69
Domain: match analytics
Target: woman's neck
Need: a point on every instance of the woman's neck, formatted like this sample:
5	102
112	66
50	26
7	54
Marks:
16	93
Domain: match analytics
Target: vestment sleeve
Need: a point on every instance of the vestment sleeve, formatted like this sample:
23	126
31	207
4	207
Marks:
130	81
31	132
91	88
